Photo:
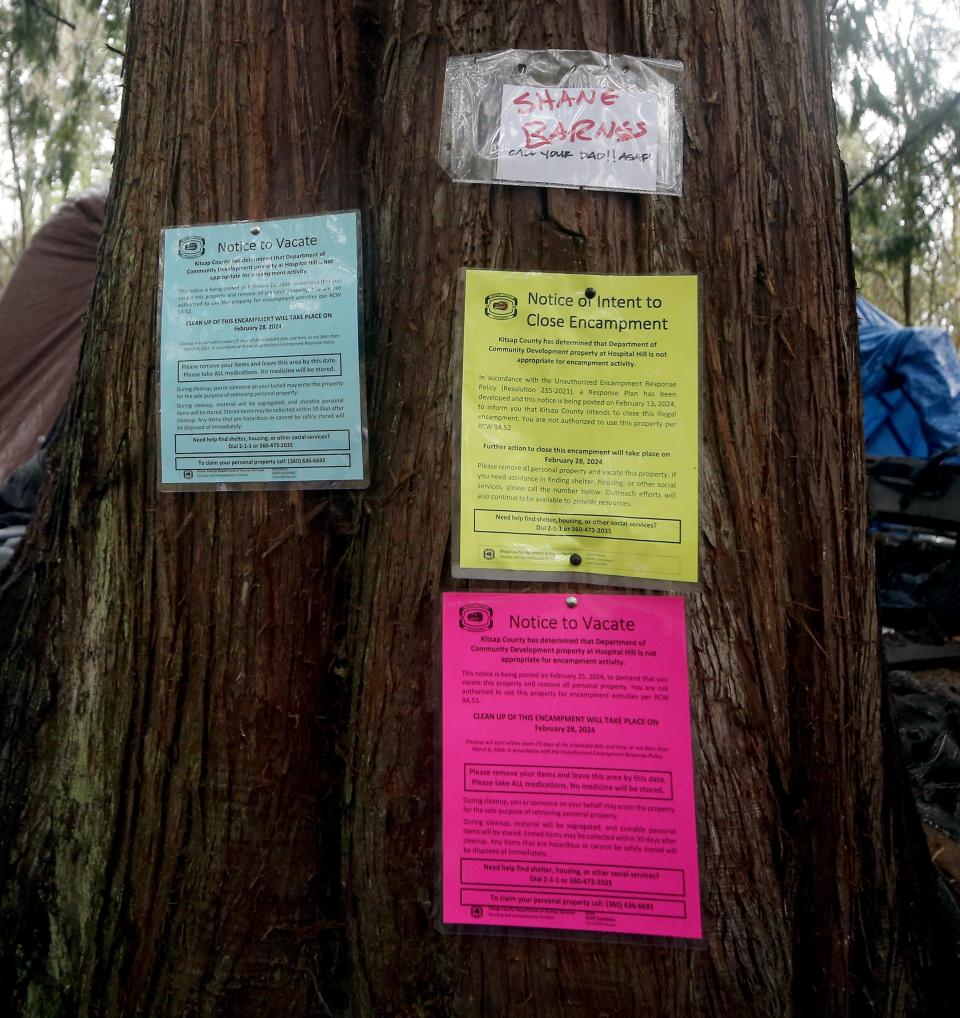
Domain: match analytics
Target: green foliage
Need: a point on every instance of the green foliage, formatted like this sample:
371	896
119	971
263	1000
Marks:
60	65
900	137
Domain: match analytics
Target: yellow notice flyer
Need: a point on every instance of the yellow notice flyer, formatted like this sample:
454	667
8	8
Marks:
579	428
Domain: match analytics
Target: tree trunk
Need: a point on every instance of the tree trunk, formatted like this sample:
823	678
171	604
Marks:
169	824
219	710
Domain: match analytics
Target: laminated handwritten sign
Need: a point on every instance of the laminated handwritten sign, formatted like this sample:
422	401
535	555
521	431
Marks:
563	118
579	137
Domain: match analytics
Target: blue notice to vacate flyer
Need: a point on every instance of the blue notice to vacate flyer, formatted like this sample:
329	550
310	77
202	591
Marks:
260	362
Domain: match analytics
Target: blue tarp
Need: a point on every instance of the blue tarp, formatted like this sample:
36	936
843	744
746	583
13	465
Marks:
911	386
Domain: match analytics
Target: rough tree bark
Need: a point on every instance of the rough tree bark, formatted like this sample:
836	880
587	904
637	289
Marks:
217	711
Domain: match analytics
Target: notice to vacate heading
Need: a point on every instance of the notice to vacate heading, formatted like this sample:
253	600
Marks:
580	426
260	355
568	799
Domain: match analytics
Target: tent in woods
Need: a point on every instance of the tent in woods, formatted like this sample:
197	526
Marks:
41	322
911	386
42	310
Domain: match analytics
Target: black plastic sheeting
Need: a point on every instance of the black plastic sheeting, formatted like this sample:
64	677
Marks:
918	586
18	499
928	720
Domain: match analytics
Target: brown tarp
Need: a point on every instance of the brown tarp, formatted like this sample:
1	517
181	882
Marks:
41	321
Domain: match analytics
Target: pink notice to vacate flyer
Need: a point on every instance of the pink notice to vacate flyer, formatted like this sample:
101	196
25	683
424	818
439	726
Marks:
567	764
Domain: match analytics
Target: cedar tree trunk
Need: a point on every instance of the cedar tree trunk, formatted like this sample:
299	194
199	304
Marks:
217	711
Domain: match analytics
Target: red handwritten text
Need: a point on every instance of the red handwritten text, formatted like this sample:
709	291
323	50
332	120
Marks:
545	99
538	133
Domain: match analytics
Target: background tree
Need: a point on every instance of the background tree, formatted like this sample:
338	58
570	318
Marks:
900	137
217	711
59	98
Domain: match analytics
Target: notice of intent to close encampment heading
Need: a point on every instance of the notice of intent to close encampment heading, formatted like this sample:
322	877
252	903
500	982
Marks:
568	799
259	355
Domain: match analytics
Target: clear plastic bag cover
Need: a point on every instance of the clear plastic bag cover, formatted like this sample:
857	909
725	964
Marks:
473	146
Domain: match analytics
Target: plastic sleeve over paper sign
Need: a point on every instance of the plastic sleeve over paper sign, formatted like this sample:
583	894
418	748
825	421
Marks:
564	118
